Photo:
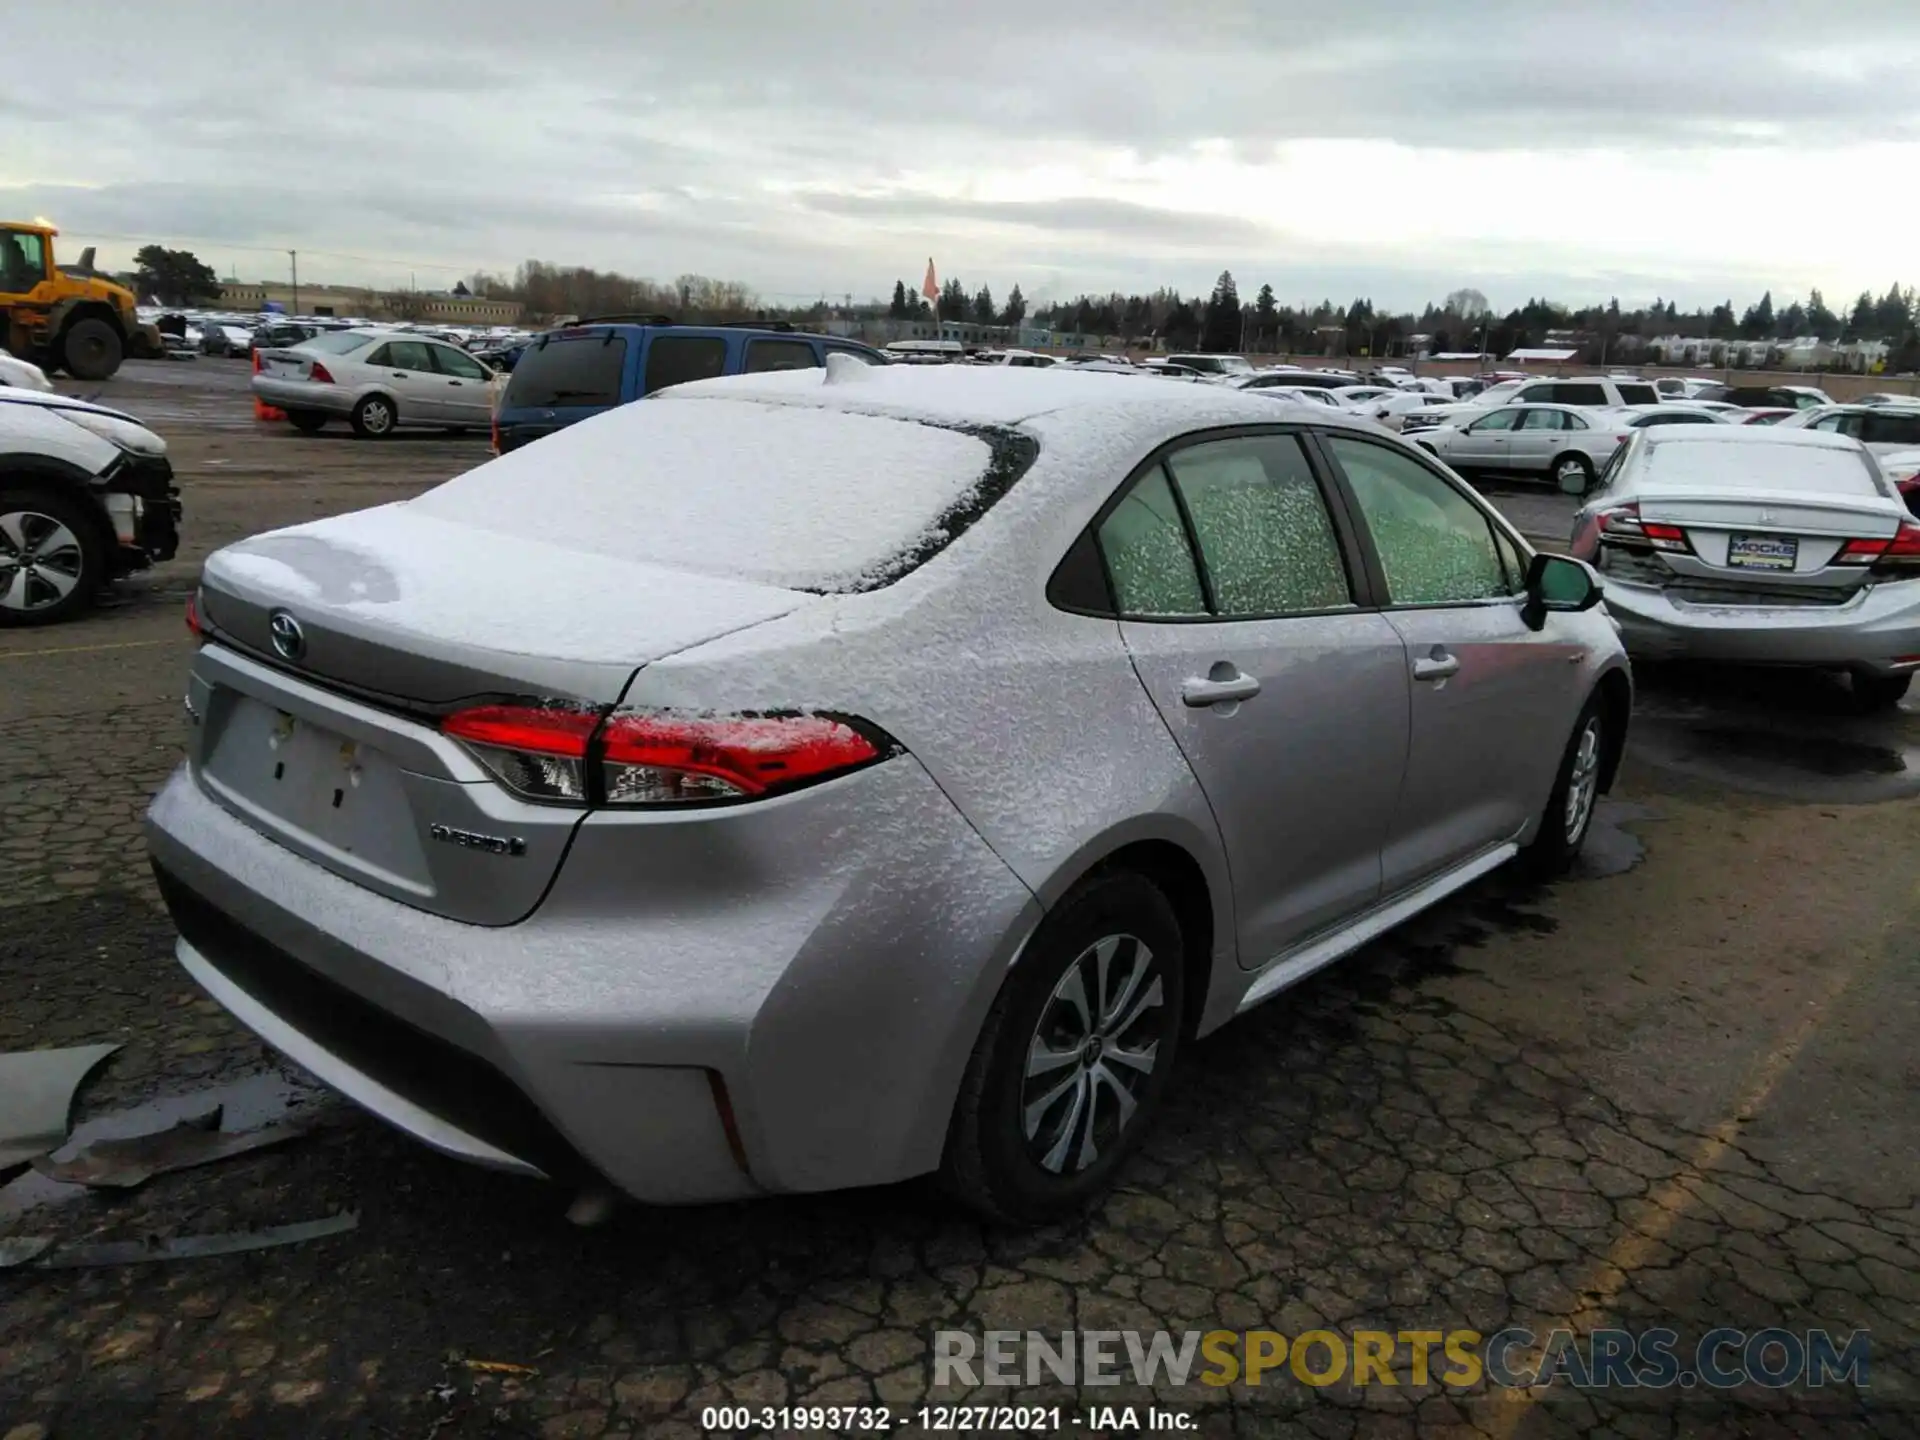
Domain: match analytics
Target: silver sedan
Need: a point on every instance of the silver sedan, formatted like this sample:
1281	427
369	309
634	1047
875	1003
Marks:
1761	544
1562	443
378	381
816	779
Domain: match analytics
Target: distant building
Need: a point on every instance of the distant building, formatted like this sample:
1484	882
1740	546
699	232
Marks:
364	303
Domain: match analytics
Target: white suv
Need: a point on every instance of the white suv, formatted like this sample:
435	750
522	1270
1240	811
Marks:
1589	392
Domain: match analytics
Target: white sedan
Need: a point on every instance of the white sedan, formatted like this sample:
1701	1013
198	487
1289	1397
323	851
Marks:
1563	443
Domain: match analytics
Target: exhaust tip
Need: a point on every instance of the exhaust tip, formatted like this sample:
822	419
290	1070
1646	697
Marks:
591	1207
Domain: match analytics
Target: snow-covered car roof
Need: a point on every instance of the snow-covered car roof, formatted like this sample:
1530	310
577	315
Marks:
1006	396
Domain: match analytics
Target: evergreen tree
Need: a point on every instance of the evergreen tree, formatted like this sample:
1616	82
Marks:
1220	325
1266	318
1016	310
983	311
899	309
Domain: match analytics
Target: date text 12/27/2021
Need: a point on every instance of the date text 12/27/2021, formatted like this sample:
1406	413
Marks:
941	1419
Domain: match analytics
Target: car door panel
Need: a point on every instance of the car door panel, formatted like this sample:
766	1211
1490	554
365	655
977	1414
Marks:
1536	440
1488	726
1484	445
1288	699
1489	695
463	387
1302	784
408	372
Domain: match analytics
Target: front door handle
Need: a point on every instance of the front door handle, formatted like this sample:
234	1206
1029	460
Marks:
1436	666
1225	685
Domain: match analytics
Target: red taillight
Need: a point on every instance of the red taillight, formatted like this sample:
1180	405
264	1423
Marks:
495	445
193	616
567	756
319	374
1622	525
256	361
1900	553
661	758
538	752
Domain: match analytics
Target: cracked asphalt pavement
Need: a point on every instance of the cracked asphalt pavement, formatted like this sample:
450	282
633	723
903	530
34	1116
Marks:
1675	1089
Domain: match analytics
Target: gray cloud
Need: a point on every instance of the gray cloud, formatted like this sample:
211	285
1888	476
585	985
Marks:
789	142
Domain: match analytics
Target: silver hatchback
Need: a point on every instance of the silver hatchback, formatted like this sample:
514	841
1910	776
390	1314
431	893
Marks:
819	779
378	381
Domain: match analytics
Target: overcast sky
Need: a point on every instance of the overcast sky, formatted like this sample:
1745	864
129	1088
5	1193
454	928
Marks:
1693	150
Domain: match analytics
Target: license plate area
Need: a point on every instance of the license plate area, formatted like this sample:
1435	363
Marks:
1763	552
311	787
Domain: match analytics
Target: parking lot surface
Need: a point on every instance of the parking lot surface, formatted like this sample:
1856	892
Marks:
1675	1089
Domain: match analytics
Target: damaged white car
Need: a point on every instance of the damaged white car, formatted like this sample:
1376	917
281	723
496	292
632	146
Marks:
86	496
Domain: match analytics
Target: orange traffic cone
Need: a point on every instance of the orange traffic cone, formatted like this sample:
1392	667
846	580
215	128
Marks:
262	410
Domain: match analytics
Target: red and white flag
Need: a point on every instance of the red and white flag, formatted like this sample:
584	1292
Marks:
930	287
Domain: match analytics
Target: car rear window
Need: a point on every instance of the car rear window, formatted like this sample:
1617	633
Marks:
1638	394
584	370
782	495
1734	465
339	342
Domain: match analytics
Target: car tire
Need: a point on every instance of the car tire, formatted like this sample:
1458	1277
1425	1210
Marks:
1575	463
1873	693
91	349
307	422
64	534
1046	1114
374	418
1575	796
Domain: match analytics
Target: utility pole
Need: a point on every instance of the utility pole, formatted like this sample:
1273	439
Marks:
293	260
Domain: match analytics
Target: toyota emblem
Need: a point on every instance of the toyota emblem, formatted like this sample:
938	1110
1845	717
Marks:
289	640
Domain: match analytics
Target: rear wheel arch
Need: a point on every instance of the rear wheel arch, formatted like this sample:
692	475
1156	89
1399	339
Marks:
1177	876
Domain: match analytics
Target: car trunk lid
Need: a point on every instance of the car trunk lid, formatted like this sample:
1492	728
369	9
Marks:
323	731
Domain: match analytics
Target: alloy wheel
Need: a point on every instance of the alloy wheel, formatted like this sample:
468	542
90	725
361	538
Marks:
1583	780
41	561
1092	1054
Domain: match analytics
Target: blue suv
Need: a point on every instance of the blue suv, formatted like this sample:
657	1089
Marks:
575	373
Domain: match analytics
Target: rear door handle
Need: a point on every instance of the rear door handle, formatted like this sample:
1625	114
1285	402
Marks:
1436	666
1198	694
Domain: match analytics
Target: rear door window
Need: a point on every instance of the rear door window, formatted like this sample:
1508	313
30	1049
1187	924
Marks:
1542	420
582	370
1575	393
411	355
1631	394
1265	536
675	359
764	355
1148	558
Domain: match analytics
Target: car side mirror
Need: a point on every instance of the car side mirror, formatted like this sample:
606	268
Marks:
1559	584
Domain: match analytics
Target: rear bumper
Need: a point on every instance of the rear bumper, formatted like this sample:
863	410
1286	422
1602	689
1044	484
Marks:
832	999
304	395
1874	631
